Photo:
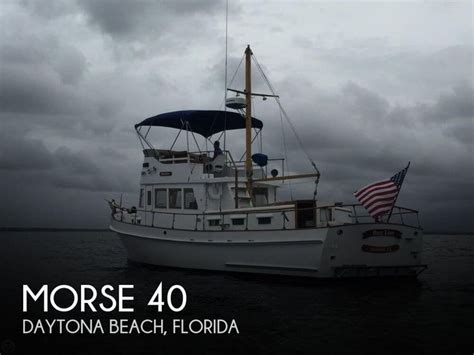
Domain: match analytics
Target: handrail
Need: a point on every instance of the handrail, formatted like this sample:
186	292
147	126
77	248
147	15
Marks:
358	218
149	152
236	188
273	209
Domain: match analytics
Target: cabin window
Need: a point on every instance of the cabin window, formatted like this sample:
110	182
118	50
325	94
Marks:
238	221
140	203
175	198
325	215
261	196
264	220
148	198
160	198
190	202
214	222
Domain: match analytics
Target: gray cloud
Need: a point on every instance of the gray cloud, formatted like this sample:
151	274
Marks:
38	76
362	127
136	20
33	162
50	10
375	63
26	90
462	131
355	137
42	54
29	155
363	106
458	104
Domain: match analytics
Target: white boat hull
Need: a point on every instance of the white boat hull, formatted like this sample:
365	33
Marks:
339	251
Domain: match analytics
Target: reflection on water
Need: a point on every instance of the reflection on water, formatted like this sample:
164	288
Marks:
433	314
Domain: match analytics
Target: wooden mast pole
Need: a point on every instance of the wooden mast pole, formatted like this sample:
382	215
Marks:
248	118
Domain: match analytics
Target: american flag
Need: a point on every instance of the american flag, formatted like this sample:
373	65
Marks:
379	197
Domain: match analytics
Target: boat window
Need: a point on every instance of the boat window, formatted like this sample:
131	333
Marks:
264	220
190	202
148	197
325	215
175	198
140	203
305	214
160	198
238	221
261	196
214	222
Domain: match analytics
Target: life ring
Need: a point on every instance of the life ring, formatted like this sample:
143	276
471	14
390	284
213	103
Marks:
214	191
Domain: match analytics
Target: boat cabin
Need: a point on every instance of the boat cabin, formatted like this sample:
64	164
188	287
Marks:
210	190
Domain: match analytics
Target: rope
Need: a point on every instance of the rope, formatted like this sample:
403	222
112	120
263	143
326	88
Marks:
286	153
285	114
253	140
225	96
235	73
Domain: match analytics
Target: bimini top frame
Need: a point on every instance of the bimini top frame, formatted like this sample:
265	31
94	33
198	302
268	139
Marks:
204	122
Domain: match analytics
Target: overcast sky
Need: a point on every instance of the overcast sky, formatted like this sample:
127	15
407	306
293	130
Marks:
368	85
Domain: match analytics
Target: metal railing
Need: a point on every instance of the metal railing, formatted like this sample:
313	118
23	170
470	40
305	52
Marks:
204	157
396	216
400	216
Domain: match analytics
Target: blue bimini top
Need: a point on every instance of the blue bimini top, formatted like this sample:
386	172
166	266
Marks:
204	122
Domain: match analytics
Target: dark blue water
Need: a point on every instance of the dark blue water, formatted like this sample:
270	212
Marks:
275	315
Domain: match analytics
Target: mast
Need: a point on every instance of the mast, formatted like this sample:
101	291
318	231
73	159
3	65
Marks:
248	118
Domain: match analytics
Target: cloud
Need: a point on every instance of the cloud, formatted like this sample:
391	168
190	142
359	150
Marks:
355	137
76	76
26	90
457	104
28	155
61	167
462	131
401	75
454	112
136	20
50	10
40	75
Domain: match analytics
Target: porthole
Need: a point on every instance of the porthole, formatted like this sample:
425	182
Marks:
264	220
214	222
238	221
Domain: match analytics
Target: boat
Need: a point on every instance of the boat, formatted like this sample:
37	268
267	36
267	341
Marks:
206	210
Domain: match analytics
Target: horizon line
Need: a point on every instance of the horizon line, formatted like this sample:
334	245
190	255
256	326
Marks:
79	229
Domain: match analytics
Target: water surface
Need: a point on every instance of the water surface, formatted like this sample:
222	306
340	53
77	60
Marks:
275	315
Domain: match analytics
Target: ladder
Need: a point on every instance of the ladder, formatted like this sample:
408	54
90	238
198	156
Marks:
242	194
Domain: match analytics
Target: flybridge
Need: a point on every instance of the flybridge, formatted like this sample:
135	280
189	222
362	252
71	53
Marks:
209	122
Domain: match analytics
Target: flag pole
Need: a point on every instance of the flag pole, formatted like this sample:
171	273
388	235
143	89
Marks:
398	192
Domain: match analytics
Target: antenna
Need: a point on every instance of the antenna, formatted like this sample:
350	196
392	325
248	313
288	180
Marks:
225	74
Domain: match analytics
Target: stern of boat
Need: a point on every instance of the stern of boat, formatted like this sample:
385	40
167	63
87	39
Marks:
372	250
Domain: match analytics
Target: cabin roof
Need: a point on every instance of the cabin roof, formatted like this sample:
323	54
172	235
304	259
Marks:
203	122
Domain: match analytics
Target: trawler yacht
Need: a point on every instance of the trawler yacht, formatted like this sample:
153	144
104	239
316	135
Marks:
205	209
